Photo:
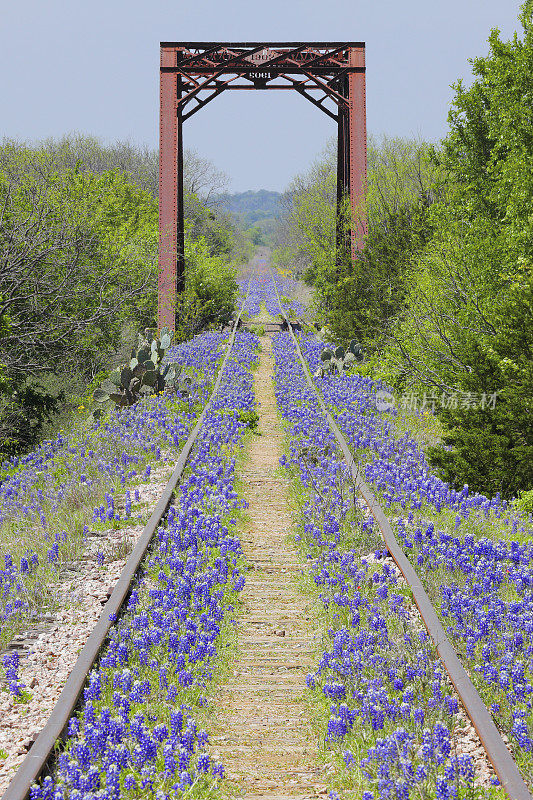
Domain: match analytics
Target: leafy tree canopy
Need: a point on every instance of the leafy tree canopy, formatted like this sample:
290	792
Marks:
442	292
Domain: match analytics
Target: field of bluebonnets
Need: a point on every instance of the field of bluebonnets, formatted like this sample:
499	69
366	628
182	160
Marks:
385	706
138	733
261	291
84	478
388	710
473	553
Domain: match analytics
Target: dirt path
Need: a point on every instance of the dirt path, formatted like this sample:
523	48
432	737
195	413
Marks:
264	738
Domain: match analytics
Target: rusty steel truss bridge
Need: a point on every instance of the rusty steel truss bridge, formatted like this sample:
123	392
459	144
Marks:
331	75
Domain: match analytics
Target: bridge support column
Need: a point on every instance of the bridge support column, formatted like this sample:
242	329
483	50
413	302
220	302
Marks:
357	149
194	73
343	175
168	192
351	158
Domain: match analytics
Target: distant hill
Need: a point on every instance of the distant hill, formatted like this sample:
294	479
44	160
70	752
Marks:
250	208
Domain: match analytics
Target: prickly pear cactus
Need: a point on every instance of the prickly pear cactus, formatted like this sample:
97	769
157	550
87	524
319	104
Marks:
144	375
339	359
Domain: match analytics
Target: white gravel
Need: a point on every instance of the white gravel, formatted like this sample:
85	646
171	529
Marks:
47	662
45	668
466	740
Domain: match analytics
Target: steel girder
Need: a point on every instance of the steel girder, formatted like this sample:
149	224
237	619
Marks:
331	75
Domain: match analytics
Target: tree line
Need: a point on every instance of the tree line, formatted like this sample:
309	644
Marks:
78	268
441	294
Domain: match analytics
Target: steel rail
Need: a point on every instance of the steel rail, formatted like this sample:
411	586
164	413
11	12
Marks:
42	751
501	759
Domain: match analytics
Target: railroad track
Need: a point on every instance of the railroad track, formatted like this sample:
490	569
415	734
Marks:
498	754
42	753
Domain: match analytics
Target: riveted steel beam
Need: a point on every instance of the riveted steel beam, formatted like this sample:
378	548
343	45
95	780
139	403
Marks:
168	192
194	73
357	149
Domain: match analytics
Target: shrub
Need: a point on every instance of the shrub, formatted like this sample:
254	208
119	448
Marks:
210	293
524	503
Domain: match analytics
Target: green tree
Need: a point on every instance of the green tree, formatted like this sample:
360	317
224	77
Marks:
78	274
308	226
468	325
210	293
4	327
360	299
77	251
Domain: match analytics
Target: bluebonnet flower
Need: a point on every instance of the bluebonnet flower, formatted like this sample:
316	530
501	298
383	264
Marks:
367	675
476	605
169	636
11	662
40	484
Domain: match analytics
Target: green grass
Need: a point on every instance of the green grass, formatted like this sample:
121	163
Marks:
423	427
259	330
426	430
20	535
351	782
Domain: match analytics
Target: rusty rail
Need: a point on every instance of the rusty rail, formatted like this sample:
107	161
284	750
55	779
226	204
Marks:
496	749
42	751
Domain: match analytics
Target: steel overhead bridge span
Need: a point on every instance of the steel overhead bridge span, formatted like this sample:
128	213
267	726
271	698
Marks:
331	75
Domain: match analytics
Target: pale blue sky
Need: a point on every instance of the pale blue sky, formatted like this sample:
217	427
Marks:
67	65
